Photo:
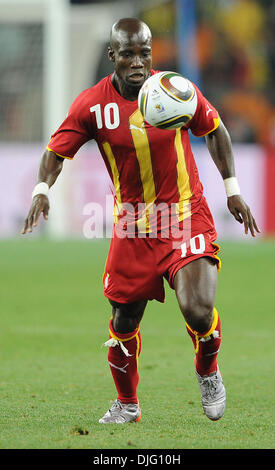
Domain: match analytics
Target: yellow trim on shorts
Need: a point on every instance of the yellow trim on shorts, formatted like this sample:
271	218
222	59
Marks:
217	257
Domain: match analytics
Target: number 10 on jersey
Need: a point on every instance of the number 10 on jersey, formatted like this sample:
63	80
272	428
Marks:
110	113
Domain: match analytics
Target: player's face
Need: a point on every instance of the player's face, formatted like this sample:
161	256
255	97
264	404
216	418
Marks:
133	63
133	60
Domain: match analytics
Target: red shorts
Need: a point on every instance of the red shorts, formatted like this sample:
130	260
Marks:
135	267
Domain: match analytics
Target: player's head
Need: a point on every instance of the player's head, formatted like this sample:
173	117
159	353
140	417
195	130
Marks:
131	51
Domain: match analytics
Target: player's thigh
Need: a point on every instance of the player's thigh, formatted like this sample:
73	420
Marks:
195	285
126	317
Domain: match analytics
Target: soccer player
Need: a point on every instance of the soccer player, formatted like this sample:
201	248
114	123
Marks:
150	166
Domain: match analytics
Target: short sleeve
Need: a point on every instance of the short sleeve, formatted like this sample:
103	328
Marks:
74	131
206	118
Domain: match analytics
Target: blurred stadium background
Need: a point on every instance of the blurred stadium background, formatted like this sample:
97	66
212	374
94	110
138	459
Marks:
53	49
54	373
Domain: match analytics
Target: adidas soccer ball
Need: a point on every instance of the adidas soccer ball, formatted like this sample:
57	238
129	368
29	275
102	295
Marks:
167	100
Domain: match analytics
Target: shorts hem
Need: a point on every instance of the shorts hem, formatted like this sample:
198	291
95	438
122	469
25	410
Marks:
213	256
121	300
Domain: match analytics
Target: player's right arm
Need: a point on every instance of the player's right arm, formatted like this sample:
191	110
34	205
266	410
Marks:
49	169
75	130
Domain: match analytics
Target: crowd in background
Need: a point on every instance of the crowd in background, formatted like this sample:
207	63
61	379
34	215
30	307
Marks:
236	61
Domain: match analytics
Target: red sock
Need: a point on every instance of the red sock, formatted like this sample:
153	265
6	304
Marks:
124	363
207	346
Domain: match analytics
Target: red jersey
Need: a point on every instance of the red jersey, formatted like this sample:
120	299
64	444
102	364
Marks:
147	165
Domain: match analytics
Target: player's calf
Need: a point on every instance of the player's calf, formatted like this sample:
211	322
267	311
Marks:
123	354
207	346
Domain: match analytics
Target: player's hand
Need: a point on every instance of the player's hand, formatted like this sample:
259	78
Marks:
40	204
240	210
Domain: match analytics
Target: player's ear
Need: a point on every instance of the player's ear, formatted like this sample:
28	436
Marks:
111	54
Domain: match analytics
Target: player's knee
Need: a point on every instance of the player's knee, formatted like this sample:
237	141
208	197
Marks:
198	313
123	324
126	317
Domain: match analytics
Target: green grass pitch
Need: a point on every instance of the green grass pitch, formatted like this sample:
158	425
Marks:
54	373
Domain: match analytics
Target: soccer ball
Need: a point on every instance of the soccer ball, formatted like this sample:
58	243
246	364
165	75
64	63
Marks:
167	100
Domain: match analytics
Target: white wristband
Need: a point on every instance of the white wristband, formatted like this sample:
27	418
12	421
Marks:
41	188
232	187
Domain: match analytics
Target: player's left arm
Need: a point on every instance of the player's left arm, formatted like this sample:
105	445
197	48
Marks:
220	149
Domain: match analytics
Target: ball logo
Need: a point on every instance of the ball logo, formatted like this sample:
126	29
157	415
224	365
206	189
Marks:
159	107
167	100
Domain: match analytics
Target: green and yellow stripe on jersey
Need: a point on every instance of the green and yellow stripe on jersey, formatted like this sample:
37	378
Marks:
112	162
142	148
183	181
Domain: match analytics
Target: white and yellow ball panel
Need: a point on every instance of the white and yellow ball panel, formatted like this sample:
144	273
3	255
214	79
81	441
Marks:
167	100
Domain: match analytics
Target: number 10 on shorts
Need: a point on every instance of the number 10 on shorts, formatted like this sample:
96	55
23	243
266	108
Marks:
197	245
